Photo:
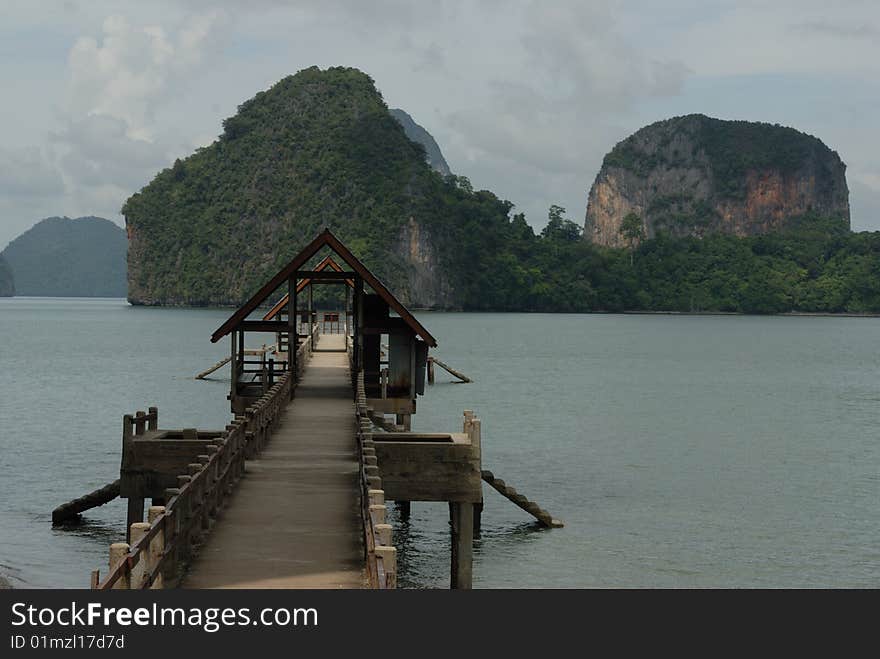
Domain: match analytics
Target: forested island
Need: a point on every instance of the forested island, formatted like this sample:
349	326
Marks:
766	233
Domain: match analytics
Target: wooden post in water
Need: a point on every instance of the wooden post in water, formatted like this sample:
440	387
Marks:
462	514
430	370
135	511
473	427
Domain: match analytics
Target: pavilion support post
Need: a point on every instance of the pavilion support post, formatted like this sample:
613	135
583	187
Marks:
358	322
233	367
292	339
240	350
296	319
311	317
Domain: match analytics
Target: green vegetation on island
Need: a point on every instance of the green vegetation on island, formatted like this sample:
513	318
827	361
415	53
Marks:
7	281
818	265
320	149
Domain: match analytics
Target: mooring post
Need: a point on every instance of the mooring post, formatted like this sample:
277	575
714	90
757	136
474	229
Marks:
430	370
153	423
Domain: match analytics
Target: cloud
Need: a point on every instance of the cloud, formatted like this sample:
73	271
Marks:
837	30
28	172
572	73
131	70
865	205
98	151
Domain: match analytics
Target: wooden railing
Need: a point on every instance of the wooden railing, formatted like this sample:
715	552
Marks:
162	546
379	551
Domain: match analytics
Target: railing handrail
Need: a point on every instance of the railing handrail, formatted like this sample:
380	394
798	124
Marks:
380	554
199	488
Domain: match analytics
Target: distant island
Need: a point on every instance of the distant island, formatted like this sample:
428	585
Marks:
63	257
7	281
688	214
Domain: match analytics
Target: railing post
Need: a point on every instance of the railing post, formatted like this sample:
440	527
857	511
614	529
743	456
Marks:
383	532
118	552
172	536
142	568
184	523
389	562
157	546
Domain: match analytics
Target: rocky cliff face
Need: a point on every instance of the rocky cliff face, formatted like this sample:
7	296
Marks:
694	175
428	285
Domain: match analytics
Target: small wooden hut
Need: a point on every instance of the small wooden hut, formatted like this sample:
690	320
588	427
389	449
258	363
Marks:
385	340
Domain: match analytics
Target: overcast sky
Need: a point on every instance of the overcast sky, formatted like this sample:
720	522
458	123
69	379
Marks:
524	98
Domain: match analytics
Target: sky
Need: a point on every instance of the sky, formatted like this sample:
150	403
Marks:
524	98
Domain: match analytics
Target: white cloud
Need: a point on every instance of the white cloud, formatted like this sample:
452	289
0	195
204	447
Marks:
131	70
109	142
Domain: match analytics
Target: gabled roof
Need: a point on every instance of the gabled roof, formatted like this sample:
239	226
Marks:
328	262
324	239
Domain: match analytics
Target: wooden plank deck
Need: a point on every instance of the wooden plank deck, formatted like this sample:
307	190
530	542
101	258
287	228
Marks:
294	519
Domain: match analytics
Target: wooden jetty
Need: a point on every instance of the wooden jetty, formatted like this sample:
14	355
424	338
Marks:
292	492
299	497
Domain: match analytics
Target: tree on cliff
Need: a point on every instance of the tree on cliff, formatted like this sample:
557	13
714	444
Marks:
631	228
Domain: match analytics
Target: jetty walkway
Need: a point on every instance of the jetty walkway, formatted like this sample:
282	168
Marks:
292	492
294	521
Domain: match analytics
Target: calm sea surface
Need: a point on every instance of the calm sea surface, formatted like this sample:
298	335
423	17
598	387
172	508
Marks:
679	450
